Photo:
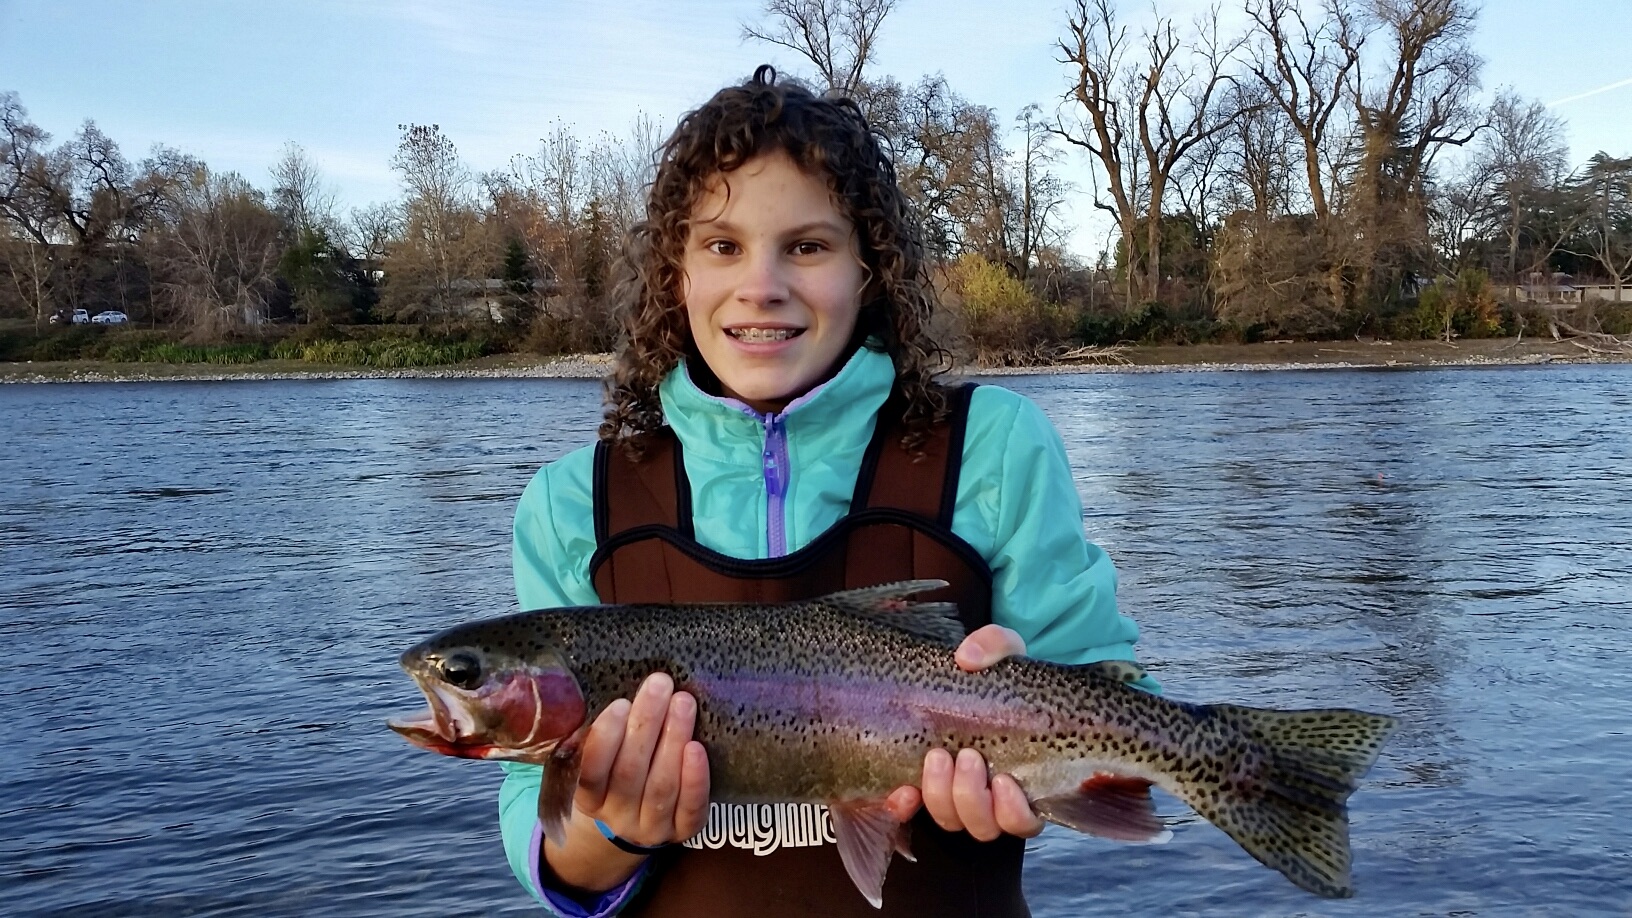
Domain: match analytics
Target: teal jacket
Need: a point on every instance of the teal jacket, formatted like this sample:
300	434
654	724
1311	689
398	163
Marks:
1016	505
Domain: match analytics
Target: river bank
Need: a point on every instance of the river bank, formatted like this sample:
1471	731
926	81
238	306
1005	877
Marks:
1277	355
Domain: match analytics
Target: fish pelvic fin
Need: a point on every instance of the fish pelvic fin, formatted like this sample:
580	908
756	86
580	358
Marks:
1290	812
560	784
867	834
888	604
1109	806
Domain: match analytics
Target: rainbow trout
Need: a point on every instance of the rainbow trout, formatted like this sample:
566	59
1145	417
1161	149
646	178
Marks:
837	699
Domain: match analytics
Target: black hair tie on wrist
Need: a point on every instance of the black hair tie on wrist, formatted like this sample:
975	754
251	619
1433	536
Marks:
624	844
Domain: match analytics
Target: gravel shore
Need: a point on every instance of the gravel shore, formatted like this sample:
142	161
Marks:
583	366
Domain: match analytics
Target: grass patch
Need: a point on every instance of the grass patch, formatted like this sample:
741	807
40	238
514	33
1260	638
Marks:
387	353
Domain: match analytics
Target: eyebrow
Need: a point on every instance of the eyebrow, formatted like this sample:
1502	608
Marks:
800	230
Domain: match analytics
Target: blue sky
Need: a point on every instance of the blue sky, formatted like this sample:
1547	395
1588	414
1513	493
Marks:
232	81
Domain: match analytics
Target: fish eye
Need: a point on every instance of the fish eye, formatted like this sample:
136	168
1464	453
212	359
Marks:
462	670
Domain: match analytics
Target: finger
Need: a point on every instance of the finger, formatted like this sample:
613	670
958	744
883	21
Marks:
972	795
903	802
936	789
988	644
691	804
663	781
1013	810
640	737
600	750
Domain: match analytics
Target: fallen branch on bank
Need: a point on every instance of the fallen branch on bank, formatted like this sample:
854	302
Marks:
1116	353
1591	342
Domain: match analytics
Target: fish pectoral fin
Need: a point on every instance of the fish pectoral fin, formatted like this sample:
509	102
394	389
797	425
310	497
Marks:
560	784
867	833
1109	806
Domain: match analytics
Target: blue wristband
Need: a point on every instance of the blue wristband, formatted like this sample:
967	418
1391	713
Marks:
624	844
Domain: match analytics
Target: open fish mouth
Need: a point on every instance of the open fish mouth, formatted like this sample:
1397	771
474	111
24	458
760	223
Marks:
510	715
443	725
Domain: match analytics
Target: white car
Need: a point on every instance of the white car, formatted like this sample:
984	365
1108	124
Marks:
110	317
81	317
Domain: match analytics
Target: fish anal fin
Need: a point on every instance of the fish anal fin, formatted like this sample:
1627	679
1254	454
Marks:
1109	806
560	784
867	834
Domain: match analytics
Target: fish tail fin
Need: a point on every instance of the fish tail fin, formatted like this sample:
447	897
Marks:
1290	810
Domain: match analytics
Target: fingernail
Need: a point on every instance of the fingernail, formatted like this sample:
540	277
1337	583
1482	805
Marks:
975	655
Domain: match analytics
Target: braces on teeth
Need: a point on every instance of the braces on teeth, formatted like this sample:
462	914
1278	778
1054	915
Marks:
763	334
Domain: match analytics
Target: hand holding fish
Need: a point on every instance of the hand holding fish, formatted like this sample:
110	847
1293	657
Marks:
957	792
643	777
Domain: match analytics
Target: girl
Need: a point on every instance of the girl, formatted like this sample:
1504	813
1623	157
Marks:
774	430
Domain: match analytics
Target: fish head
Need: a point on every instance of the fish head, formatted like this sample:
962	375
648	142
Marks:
487	703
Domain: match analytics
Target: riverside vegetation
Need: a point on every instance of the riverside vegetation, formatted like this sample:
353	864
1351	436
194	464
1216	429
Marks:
1328	172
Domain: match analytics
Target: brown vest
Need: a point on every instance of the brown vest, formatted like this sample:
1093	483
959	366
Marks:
899	528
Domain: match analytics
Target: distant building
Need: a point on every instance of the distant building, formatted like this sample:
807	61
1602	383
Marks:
1544	288
1609	293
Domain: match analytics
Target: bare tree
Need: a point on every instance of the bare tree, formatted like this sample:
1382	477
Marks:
370	230
1097	47
622	170
1524	156
1421	103
1465	211
552	189
216	263
1041	192
28	223
1305	71
985	209
946	153
442	242
1162	104
836	36
1257	161
299	194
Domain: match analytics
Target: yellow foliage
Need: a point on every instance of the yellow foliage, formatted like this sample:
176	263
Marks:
987	290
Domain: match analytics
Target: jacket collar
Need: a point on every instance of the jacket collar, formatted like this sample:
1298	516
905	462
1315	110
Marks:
722	426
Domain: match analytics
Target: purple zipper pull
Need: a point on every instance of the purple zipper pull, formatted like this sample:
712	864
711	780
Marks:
776	484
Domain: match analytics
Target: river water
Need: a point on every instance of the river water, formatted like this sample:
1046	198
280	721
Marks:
205	586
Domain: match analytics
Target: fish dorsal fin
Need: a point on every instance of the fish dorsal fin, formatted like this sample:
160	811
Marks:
887	604
1116	670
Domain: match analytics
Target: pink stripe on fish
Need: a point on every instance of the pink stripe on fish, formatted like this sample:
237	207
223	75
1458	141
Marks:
878	704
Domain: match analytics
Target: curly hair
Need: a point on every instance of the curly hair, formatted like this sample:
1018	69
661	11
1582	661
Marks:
826	137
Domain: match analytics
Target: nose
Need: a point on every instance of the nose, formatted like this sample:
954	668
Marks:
764	281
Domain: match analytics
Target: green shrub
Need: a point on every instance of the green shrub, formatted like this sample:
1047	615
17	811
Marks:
337	353
391	353
287	349
1461	306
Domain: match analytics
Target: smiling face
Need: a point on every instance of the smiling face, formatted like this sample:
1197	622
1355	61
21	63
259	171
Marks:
772	283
